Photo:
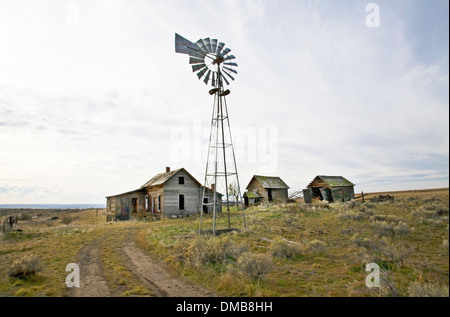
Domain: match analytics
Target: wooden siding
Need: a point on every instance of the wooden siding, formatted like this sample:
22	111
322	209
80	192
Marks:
344	193
210	195
172	190
124	206
277	193
254	186
155	193
280	194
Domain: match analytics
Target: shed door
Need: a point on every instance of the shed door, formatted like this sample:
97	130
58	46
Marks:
269	194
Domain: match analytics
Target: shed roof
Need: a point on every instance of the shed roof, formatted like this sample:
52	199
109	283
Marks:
269	181
252	195
127	193
332	181
162	178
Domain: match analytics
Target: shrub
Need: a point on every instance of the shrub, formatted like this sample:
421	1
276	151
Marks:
431	222
433	211
293	222
282	249
351	204
384	228
418	289
24	216
255	221
387	218
208	250
365	209
349	214
254	265
66	219
211	250
365	243
316	246
383	250
25	266
394	252
387	287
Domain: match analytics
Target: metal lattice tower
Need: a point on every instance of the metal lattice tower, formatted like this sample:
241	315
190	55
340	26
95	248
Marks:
212	62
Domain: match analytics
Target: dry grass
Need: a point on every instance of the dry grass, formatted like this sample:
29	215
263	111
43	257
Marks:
287	250
312	249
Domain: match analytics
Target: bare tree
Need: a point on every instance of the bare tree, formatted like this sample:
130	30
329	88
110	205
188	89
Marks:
233	191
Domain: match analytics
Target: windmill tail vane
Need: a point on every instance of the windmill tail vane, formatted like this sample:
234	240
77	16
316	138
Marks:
213	63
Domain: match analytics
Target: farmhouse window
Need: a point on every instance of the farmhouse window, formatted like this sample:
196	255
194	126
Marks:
181	202
181	180
159	202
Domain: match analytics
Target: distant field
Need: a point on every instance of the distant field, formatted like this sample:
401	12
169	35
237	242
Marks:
401	193
290	249
50	206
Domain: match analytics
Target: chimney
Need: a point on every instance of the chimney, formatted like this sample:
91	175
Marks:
167	169
213	187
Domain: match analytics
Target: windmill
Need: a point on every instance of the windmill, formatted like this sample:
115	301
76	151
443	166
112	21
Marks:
214	64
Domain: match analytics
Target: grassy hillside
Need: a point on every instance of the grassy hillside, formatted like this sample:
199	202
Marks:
287	250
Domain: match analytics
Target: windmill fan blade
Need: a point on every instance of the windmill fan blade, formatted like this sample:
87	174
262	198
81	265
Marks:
225	51
208	44
202	72
202	46
207	77
230	69
211	49
219	48
223	77
193	60
197	53
230	64
197	67
229	75
213	45
229	57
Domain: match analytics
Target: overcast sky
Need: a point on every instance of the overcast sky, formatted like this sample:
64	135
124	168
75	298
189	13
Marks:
94	101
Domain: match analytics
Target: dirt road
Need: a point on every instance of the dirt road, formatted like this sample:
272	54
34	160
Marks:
92	282
152	274
155	277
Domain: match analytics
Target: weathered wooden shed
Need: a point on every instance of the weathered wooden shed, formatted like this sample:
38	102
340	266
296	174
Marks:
329	188
124	206
265	188
170	194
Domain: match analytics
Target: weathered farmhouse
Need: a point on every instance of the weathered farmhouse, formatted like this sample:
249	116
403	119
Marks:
329	188
265	188
170	194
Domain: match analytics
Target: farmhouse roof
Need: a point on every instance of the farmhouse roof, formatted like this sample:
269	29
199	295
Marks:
332	181
162	178
269	181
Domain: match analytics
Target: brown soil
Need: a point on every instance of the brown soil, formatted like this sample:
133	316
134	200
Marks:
92	282
156	277
153	275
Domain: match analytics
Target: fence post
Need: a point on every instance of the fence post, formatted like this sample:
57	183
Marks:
362	195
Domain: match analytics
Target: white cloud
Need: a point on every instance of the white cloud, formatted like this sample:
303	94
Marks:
92	108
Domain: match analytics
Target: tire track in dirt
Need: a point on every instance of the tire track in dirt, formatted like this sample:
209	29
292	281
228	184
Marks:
92	283
156	277
151	273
